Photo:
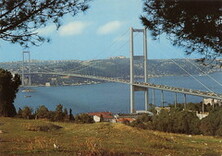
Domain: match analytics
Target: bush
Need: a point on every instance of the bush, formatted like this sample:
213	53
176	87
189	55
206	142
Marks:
174	121
186	122
42	127
143	121
42	112
84	118
138	123
27	112
212	124
163	121
219	131
19	114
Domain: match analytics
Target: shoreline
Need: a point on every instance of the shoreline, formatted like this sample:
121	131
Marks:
136	77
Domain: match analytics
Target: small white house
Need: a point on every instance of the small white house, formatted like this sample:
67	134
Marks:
102	116
47	84
202	115
96	118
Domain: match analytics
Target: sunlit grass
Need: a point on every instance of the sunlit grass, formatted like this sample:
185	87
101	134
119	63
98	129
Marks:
25	137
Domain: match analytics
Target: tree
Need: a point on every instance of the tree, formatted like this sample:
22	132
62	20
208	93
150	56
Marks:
194	25
19	114
9	85
42	112
65	114
71	117
19	19
59	115
26	112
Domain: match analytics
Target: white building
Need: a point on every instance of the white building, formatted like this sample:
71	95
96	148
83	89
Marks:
47	84
211	101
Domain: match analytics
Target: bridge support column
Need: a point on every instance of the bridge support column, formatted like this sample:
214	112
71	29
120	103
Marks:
154	96
132	99
185	101
23	68
146	99
175	102
213	103
162	97
203	106
133	87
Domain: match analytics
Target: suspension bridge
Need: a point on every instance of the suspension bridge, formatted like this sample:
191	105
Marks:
135	86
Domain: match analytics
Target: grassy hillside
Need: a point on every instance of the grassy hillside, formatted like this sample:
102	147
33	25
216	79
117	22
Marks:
37	137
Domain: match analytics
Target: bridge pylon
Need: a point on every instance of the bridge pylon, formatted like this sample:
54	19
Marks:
23	68
133	57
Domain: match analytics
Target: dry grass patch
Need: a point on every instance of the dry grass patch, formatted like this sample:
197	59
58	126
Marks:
45	127
37	137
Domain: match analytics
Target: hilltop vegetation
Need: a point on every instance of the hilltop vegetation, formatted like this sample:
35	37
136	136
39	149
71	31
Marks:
98	139
182	121
113	67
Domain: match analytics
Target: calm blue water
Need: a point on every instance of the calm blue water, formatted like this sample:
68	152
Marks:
112	97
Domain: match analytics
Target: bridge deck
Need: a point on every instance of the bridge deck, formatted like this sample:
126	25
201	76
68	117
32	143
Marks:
145	85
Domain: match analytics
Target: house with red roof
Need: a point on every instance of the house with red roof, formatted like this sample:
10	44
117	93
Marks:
102	116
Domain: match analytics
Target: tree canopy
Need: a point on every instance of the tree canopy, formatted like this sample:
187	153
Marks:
19	19
195	25
8	88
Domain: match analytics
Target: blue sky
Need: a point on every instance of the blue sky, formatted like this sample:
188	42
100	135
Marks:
101	32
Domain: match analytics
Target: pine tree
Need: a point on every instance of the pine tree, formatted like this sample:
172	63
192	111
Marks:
9	85
59	115
71	117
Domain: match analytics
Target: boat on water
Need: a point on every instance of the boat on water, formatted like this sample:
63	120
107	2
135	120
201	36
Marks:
27	90
27	96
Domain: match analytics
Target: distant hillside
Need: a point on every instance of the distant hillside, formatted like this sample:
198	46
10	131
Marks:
112	67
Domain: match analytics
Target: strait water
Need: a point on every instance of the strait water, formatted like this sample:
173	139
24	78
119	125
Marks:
112	97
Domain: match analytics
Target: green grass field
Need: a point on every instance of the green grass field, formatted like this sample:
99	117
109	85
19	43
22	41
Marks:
37	137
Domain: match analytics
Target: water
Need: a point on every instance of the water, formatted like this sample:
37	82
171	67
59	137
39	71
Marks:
112	97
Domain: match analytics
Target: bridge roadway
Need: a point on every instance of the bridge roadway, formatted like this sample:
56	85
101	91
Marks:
144	85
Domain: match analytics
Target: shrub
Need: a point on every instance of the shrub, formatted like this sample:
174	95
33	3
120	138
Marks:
51	115
26	112
42	127
174	121
143	121
138	123
84	118
42	112
19	114
59	115
186	122
212	124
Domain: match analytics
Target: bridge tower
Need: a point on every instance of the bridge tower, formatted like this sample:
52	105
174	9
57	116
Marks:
24	53
133	57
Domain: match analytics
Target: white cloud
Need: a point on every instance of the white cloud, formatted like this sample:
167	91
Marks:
46	30
73	28
109	27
